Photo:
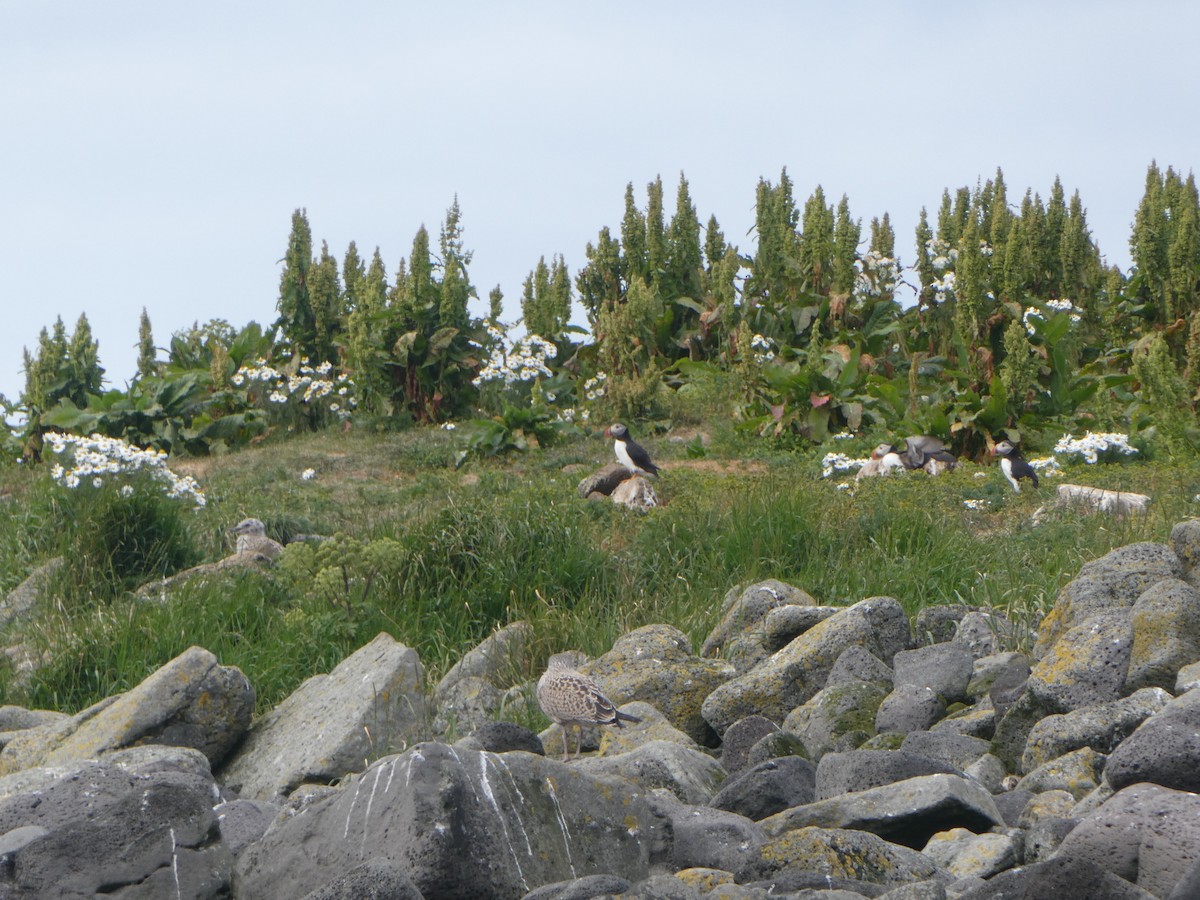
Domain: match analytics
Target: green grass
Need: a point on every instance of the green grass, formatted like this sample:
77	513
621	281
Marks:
506	540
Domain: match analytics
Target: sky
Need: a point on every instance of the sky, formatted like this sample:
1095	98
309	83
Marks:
152	153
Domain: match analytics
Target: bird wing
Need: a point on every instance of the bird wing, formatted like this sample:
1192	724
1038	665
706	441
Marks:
640	458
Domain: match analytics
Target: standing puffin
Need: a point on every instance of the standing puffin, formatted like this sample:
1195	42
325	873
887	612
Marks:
629	454
1014	466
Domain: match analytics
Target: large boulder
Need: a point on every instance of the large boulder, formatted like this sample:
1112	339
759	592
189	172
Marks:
473	689
460	824
372	702
1166	634
794	674
740	636
1087	665
1146	834
1165	749
838	717
861	770
769	788
192	701
139	823
840	853
1101	727
690	775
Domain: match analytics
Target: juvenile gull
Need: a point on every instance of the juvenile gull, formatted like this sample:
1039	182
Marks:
569	698
252	538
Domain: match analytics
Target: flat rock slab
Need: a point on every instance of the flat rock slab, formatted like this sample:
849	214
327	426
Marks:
908	812
371	703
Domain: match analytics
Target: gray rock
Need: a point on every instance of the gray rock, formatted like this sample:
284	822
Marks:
1101	727
690	775
459	823
1146	834
978	721
861	770
1078	772
1008	684
918	890
1057	879
586	888
946	668
1187	887
955	750
745	611
501	737
21	599
1043	838
371	880
989	772
987	669
1185	542
909	707
859	664
839	853
192	701
776	746
965	854
242	822
1166	634
838	717
1188	678
136	824
373	701
1078	600
783	624
466	705
1164	750
768	788
710	838
938	622
794	674
907	812
739	738
1013	729
1087	665
1012	805
1131	569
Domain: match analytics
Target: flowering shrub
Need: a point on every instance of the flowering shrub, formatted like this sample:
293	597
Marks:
1058	306
1092	445
522	360
98	460
763	349
314	389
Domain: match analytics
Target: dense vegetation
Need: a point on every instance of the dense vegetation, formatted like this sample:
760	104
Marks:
378	411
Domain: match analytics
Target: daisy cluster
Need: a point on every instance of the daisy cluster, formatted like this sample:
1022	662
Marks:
99	459
839	462
941	254
308	384
1092	444
763	348
877	274
1046	466
1063	305
521	360
976	504
595	386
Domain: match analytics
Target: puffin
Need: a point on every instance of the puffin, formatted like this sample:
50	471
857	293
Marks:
884	459
1014	466
629	454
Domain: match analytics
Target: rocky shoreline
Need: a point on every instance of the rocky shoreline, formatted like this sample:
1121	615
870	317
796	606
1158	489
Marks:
801	751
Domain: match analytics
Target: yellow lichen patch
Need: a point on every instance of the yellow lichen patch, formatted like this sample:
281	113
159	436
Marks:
704	880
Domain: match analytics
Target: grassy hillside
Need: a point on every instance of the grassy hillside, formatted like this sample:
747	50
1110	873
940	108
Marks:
439	556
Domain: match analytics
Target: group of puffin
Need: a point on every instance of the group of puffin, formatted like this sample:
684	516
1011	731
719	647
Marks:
921	452
930	454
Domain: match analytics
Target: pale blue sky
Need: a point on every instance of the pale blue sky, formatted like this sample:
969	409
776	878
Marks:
153	153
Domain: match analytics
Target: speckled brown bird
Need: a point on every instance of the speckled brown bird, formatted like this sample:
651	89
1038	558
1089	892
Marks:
252	538
569	697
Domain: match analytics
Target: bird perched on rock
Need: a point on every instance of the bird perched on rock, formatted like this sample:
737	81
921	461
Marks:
252	538
629	454
569	697
1013	465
